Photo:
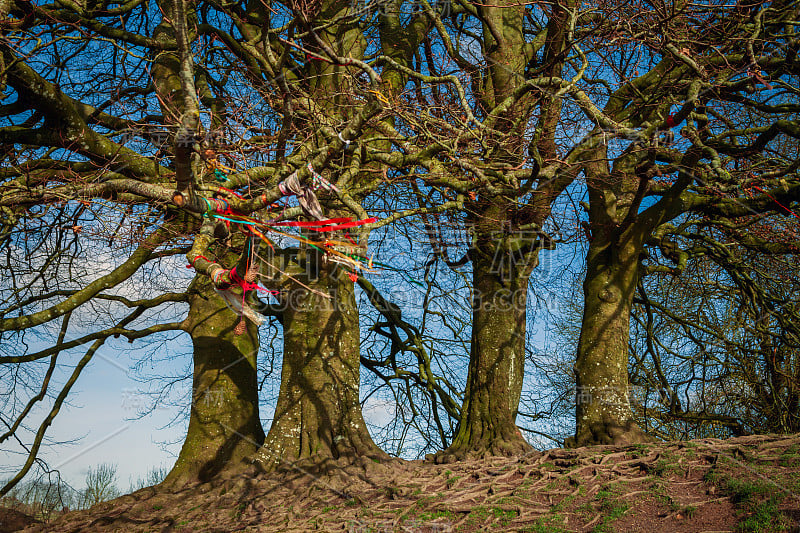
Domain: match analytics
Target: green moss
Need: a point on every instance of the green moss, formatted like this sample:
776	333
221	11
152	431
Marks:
546	524
434	515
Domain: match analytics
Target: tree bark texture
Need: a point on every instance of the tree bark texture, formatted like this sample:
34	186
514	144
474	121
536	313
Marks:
318	415
224	427
603	413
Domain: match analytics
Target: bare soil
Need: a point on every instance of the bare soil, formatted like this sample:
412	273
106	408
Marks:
14	520
743	484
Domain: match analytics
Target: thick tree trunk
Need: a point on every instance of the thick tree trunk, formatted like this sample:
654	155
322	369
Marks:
502	262
603	414
224	427
496	367
318	416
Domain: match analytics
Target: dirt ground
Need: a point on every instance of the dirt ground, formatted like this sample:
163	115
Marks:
709	485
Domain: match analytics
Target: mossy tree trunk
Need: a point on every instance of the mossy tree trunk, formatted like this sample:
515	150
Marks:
603	413
502	262
318	416
508	235
496	369
224	426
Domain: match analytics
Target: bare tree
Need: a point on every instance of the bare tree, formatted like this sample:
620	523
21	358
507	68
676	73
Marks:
101	484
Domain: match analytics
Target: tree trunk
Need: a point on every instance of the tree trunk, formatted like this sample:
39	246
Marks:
496	368
318	416
603	414
224	427
502	262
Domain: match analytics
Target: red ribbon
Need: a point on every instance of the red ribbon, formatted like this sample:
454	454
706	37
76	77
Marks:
246	285
236	194
759	189
195	260
331	224
316	223
346	225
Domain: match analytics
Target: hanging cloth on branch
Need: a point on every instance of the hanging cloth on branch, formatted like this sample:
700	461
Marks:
237	304
305	195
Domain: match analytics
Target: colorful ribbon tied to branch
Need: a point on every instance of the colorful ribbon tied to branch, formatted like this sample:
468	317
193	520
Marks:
305	195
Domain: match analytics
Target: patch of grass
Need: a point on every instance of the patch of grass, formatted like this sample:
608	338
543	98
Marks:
713	477
452	481
504	514
743	491
477	516
764	516
659	492
433	515
615	509
480	513
546	524
352	502
689	511
568	499
328	508
664	467
612	508
757	501
639	450
425	500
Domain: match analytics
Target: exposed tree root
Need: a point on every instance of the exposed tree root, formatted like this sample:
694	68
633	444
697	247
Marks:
677	487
